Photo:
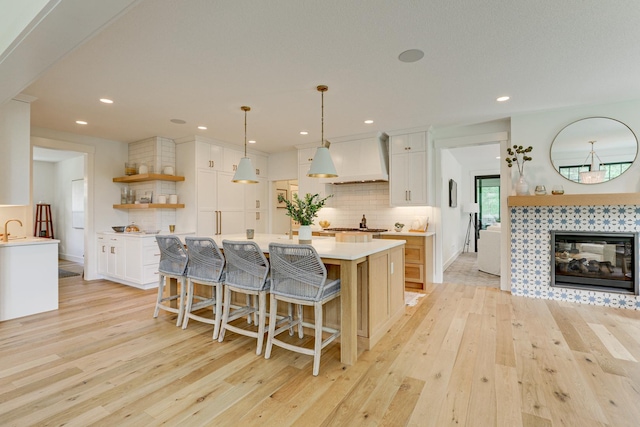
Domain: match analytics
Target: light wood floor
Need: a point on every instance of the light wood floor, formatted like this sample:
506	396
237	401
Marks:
465	355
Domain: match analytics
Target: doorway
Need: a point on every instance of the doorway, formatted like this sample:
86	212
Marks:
487	196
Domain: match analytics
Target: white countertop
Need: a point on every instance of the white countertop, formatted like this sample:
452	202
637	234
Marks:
408	233
24	241
327	247
143	234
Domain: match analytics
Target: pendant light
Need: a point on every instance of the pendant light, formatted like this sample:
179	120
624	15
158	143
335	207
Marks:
594	175
245	174
322	165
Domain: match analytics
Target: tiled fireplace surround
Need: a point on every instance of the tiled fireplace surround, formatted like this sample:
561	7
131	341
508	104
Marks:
530	249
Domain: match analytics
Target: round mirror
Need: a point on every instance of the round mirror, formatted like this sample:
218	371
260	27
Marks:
594	150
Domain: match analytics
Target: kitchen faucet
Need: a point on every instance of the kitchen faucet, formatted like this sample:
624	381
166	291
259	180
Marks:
5	236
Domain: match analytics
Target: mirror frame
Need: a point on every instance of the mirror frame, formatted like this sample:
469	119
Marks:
590	118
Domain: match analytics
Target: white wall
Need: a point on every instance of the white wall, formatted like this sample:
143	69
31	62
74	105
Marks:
539	130
453	227
283	166
43	182
71	245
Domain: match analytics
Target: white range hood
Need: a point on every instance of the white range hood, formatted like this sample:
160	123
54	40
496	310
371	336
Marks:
360	160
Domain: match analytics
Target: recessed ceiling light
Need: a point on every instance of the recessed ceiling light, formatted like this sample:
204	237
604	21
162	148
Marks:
498	157
202	127
502	99
178	121
106	101
81	122
411	55
251	141
304	132
368	121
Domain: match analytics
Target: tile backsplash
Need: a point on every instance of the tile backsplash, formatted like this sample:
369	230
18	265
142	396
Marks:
371	200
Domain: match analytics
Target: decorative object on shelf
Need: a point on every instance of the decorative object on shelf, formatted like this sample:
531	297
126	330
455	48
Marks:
130	168
557	190
143	169
162	199
124	195
173	199
148	196
322	165
419	224
172	228
245	174
519	156
398	226
168	170
473	209
304	211
131	196
540	190
324	223
522	186
594	175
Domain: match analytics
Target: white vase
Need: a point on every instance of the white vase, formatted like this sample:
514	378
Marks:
522	186
304	234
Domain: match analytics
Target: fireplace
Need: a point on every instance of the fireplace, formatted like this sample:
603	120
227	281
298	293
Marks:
604	261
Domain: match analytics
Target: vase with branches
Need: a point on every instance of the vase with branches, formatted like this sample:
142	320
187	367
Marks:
518	155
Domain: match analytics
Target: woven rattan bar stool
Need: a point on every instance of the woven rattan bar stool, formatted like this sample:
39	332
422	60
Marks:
173	265
298	276
246	272
206	268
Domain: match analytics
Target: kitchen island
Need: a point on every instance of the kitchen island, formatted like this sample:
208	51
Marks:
372	286
28	277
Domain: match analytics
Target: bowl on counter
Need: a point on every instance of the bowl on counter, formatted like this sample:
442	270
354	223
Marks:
118	229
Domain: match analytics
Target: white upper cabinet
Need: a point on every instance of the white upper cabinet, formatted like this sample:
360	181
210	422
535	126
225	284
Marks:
260	163
15	142
410	142
231	159
408	170
208	156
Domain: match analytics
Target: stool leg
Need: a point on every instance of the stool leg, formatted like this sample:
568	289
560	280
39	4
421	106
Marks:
262	316
190	287
218	311
160	291
183	292
317	347
273	315
225	315
300	320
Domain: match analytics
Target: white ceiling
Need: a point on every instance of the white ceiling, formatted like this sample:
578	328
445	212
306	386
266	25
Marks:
200	60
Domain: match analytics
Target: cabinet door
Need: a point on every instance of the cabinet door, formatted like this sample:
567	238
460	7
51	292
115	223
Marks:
116	258
133	261
260	163
230	194
407	183
256	195
206	222
256	220
208	156
15	160
232	222
207	189
103	255
309	185
417	179
305	155
231	160
411	142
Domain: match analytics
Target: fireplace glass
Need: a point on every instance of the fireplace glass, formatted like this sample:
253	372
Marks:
604	261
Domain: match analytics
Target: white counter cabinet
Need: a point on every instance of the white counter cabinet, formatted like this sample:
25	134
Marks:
130	259
28	277
408	170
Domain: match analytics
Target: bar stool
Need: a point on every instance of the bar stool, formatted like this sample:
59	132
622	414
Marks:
246	272
173	265
298	276
206	267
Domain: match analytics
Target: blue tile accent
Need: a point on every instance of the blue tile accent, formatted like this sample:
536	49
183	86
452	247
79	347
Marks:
531	249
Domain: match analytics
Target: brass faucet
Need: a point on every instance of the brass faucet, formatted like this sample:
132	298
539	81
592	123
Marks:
5	236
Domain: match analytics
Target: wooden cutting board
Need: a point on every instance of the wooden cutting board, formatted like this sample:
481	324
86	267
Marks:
353	237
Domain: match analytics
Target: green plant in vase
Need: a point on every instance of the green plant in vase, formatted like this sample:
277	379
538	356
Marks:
304	211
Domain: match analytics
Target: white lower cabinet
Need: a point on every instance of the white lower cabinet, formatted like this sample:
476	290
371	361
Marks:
129	259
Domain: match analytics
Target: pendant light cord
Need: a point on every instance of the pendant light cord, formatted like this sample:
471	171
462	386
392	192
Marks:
245	109
322	89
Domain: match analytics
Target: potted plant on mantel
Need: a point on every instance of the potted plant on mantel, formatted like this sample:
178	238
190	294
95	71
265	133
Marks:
304	211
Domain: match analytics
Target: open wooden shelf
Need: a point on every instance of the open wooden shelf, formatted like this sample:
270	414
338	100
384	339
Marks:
149	206
576	200
148	177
